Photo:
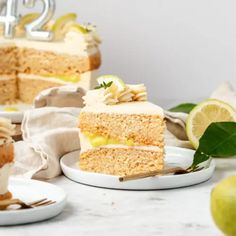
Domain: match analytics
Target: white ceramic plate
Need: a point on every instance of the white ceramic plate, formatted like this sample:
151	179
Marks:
16	116
174	157
29	191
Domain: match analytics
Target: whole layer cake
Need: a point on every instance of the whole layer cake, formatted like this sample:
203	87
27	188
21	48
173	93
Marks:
120	132
6	156
28	67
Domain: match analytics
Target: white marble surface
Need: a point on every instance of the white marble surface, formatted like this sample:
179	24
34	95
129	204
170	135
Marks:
96	211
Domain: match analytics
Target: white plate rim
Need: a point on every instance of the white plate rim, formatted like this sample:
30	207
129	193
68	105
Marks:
57	207
16	116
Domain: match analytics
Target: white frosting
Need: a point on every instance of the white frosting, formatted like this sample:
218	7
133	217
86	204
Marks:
125	96
5	172
145	108
88	79
7	77
99	96
138	91
85	145
75	43
145	148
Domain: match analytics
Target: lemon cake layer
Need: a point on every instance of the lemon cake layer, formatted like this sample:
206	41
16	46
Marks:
121	161
8	88
33	61
29	85
121	138
8	60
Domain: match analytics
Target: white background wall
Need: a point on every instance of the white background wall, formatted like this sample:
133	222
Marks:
181	49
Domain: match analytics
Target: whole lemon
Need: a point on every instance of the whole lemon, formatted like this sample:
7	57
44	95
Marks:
223	205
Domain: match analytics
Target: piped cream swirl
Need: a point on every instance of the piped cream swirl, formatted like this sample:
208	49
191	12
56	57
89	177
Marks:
7	129
99	96
112	95
139	92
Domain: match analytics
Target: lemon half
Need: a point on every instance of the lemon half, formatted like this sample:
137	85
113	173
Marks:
26	19
204	114
118	82
78	27
62	24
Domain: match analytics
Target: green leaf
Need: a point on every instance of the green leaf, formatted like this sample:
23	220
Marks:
199	157
184	107
104	85
219	140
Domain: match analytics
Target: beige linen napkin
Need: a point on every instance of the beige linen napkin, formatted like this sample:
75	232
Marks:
176	121
226	93
64	96
48	134
175	134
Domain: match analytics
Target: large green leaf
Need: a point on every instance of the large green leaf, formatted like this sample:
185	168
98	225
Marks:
219	140
184	107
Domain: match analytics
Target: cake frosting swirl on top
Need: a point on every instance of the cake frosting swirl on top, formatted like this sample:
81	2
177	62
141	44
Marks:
114	91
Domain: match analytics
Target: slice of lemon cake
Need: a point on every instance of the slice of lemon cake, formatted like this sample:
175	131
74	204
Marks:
6	156
121	133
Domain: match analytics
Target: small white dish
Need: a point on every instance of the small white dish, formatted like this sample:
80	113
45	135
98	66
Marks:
15	116
30	191
174	157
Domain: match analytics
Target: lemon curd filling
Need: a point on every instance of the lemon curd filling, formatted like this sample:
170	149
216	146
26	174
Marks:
98	140
66	78
10	109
